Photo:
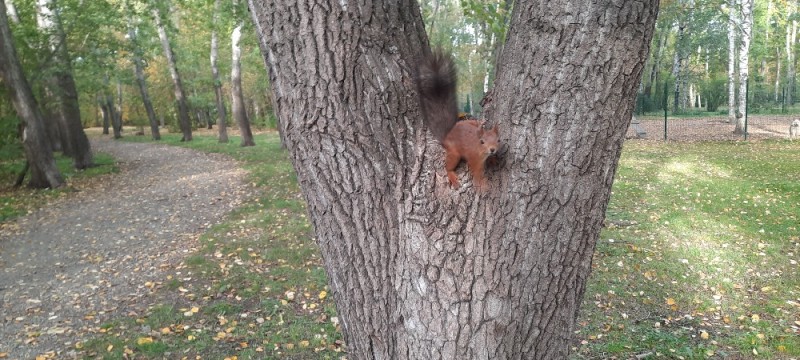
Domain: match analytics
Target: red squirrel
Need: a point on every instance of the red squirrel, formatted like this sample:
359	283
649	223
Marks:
466	139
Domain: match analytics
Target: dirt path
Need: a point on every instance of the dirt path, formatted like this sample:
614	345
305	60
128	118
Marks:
67	269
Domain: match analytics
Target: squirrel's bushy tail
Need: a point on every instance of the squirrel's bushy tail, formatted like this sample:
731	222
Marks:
437	91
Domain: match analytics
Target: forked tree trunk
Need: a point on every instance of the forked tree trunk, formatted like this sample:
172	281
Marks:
184	122
422	271
74	141
221	112
39	155
237	97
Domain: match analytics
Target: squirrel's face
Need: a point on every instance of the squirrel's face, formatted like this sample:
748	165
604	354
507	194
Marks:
489	141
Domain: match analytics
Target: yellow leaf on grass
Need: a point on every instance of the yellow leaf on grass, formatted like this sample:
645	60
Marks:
143	340
755	318
166	330
304	343
670	301
109	348
195	309
190	337
323	294
704	335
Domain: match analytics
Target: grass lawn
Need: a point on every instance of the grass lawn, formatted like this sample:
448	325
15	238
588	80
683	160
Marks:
699	259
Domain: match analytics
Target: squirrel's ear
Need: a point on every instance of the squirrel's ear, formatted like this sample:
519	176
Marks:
496	129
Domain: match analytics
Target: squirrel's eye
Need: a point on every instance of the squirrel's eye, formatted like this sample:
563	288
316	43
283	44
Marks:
481	141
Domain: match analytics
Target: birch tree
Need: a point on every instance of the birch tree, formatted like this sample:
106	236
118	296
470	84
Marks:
184	122
237	96
419	270
141	81
733	16
746	29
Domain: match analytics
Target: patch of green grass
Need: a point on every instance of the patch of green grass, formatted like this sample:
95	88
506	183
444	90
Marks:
699	258
255	288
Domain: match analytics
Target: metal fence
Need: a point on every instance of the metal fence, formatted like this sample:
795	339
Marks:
768	117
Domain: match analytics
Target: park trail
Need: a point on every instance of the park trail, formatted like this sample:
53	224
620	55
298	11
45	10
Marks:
89	256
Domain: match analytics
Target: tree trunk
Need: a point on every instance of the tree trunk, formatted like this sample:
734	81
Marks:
116	120
262	44
101	99
39	155
62	84
744	62
237	97
422	271
221	112
142	82
732	25
791	39
183	108
12	11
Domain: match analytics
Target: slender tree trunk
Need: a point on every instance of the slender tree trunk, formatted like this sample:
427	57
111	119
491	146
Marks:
116	120
101	99
791	39
39	155
778	57
184	122
237	97
744	62
733	15
221	112
422	271
74	140
142	82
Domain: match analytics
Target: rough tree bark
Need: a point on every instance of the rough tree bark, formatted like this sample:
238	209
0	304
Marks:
221	112
44	173
237	96
180	96
746	30
422	271
141	81
62	85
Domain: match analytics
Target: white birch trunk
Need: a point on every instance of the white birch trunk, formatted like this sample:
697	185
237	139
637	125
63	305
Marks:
237	97
732	16
744	59
12	11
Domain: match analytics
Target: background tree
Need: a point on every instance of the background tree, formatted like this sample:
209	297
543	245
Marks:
180	95
44	173
237	96
62	87
220	98
141	82
420	270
